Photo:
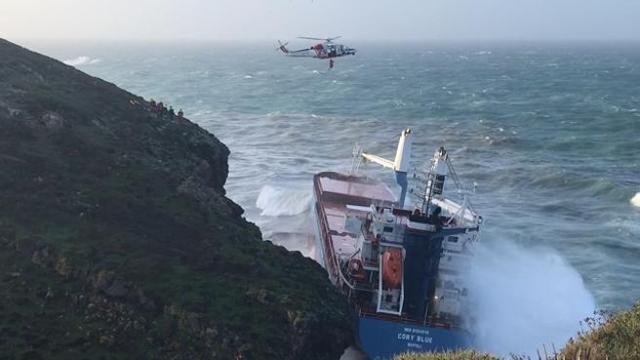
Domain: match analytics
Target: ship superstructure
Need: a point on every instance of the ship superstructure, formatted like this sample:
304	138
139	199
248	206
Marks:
401	266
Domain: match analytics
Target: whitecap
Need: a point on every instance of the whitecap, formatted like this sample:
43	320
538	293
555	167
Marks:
248	77
81	60
460	150
635	200
282	202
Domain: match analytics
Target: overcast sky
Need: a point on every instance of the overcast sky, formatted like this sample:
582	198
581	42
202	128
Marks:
354	19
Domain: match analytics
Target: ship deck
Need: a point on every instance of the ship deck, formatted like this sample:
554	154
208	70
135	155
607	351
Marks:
355	187
333	193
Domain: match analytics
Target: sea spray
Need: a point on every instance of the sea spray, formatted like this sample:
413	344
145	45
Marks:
635	200
81	60
524	298
283	202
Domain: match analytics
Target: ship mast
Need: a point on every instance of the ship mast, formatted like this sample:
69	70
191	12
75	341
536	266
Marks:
435	178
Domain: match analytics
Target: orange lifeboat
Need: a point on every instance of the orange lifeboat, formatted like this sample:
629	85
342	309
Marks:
392	268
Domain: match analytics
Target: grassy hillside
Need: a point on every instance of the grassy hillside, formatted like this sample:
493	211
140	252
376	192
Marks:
615	338
117	240
458	355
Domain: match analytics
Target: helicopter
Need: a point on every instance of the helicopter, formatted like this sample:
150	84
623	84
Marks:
325	50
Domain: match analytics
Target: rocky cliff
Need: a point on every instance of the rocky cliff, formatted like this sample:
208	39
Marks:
117	240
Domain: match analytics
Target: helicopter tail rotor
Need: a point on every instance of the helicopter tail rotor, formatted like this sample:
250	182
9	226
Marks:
282	47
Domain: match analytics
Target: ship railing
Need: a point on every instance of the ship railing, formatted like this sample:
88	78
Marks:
430	321
326	237
397	236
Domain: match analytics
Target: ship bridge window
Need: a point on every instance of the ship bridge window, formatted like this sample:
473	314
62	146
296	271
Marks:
388	229
453	239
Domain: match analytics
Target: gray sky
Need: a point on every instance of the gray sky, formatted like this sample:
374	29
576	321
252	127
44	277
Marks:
355	19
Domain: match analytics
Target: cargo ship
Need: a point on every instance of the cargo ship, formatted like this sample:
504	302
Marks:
401	265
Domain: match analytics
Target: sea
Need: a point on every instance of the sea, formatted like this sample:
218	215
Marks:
548	135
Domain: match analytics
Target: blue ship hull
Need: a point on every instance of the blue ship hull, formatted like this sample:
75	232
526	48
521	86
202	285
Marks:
383	339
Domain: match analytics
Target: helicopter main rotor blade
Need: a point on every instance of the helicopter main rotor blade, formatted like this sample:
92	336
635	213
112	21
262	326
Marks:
323	39
310	38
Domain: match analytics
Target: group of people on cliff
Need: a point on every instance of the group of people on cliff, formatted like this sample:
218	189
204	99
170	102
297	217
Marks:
161	109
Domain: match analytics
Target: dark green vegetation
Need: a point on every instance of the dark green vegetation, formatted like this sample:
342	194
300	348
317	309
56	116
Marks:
116	239
615	338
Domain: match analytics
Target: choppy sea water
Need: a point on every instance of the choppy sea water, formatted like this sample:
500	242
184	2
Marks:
549	132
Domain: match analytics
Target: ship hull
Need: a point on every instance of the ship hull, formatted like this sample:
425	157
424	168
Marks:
383	339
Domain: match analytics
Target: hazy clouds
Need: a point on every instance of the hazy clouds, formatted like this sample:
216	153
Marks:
355	19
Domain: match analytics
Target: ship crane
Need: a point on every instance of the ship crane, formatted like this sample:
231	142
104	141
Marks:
400	165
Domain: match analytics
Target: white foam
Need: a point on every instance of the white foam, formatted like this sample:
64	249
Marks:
81	60
283	202
525	298
635	200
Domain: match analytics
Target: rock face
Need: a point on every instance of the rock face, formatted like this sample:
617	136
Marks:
117	240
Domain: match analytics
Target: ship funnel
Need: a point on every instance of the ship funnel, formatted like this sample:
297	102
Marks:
400	165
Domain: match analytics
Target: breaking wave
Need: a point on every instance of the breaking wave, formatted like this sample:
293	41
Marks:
81	60
635	200
282	202
525	298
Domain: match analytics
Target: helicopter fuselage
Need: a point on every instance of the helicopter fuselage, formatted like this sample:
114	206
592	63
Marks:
331	50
